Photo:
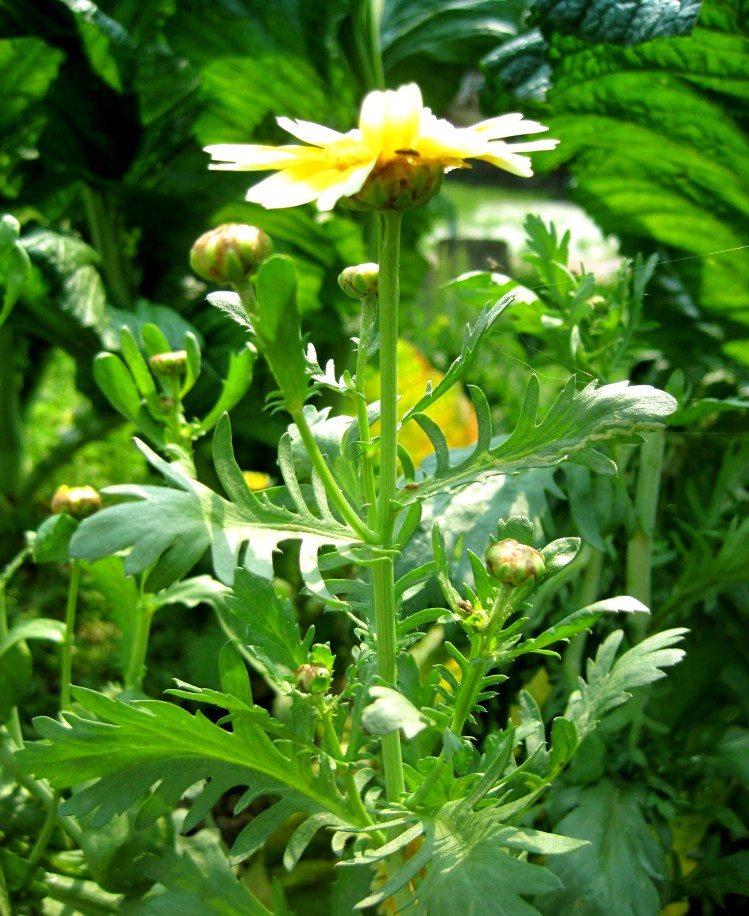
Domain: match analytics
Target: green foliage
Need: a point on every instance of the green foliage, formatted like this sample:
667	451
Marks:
201	519
683	150
621	867
616	23
576	423
186	877
159	741
447	726
14	265
470	854
609	682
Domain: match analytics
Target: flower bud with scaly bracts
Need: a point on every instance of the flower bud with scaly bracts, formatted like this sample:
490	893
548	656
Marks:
230	253
314	679
174	363
513	563
79	502
401	184
360	281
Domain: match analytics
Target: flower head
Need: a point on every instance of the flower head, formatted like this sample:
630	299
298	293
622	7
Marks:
76	501
398	142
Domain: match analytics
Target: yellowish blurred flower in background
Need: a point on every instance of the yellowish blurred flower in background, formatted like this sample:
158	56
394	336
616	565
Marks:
394	159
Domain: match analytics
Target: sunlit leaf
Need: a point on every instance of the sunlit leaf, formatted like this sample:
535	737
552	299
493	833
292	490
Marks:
170	528
130	746
576	423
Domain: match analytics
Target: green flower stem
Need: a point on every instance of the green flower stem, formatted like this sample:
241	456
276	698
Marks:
66	664
469	690
80	896
481	657
38	789
102	218
136	664
640	546
390	224
572	661
387	653
14	722
246	293
368	323
383	572
12	433
42	840
329	482
334	745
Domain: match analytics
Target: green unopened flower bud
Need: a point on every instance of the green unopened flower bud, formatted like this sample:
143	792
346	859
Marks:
174	363
401	184
360	281
76	501
514	563
476	622
230	253
313	678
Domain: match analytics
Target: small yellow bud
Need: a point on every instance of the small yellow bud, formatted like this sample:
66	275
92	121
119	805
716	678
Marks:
230	253
514	563
360	281
174	363
312	678
76	501
257	480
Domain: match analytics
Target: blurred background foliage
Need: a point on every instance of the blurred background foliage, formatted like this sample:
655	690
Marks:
106	109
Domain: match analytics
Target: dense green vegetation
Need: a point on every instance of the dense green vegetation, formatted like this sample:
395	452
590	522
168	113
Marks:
105	187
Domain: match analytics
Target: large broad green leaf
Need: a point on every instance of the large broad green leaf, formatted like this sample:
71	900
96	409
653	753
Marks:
64	301
129	747
454	34
614	22
573	427
652	138
27	67
621	868
170	528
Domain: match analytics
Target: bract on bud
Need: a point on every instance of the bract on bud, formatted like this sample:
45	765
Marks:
401	184
360	281
513	563
312	678
76	501
230	253
174	363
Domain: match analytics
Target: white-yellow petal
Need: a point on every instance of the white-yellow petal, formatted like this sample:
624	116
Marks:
390	121
509	162
249	157
349	183
309	132
307	182
533	146
509	125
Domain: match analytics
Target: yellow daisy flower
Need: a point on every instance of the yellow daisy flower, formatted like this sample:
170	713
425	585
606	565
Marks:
397	137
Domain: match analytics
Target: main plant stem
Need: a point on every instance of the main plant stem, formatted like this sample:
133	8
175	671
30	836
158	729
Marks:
66	664
383	572
136	664
640	546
